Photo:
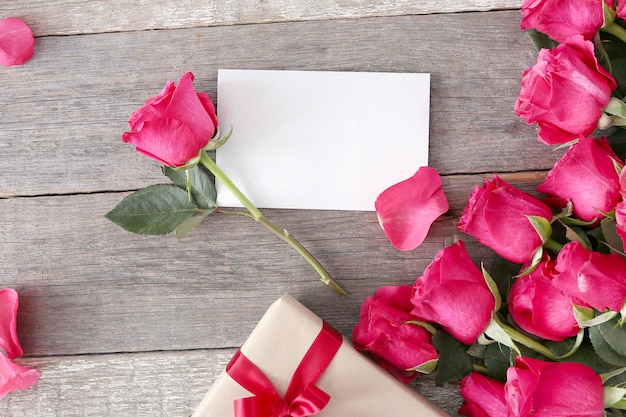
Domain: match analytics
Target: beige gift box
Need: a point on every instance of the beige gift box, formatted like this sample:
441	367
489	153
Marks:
357	386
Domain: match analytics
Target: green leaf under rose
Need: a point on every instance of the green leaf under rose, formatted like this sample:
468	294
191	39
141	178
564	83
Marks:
155	210
201	184
454	362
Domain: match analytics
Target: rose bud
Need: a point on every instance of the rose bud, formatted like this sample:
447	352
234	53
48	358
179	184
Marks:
559	22
497	216
595	278
548	389
538	307
386	330
453	293
175	125
482	396
586	176
566	80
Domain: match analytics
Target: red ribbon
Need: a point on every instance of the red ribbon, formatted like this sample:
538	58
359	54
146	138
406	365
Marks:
303	398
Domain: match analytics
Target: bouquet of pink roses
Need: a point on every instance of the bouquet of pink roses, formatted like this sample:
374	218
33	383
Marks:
542	332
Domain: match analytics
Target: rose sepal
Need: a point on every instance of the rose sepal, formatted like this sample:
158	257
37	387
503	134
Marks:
427	367
493	288
218	140
609	15
542	226
495	332
430	328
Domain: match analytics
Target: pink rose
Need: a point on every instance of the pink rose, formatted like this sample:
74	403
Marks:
453	293
175	125
620	220
538	307
384	331
482	396
12	376
621	9
408	209
496	216
595	278
548	389
16	42
565	81
561	20
586	176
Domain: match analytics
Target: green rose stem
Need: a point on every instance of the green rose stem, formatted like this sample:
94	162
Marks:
259	217
525	340
553	245
615	30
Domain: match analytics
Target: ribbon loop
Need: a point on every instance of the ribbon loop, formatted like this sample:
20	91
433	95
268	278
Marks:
303	398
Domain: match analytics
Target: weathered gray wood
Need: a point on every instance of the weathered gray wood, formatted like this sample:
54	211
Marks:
63	113
147	384
63	17
127	325
87	286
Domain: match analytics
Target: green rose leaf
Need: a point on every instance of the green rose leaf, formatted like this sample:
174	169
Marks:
201	183
155	210
454	362
603	348
540	40
498	359
189	224
614	335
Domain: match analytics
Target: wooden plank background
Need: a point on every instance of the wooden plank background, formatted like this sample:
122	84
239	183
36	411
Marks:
127	325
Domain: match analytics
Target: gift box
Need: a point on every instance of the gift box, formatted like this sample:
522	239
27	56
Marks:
294	361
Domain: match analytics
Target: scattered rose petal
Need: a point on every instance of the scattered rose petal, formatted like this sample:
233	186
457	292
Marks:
407	210
13	376
8	323
16	42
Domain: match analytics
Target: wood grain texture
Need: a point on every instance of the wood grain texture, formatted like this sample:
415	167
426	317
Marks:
65	136
145	384
127	325
87	286
64	17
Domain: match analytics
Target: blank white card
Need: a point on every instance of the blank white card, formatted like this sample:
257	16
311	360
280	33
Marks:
320	139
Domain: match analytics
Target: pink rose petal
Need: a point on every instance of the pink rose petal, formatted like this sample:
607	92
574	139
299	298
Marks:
13	376
8	323
16	42
408	209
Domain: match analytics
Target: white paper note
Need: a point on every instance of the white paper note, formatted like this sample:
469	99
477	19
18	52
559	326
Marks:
320	139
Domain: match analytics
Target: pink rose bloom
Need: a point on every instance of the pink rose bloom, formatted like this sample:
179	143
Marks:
16	42
453	293
565	81
12	376
548	389
595	278
495	215
586	176
621	9
562	19
538	307
383	331
482	396
175	125
620	220
408	209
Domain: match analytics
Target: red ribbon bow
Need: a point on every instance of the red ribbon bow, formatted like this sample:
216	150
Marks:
303	398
